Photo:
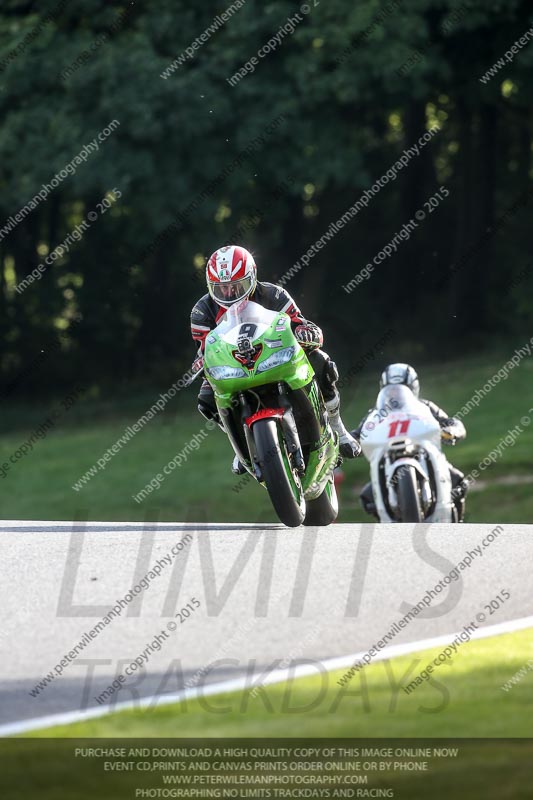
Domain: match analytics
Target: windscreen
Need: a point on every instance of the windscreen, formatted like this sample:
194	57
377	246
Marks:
248	312
396	398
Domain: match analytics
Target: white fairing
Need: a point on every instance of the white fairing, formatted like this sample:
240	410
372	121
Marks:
229	327
402	431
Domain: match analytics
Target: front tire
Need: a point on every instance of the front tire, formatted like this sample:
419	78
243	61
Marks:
284	488
407	493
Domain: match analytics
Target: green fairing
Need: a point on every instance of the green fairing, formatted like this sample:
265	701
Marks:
296	373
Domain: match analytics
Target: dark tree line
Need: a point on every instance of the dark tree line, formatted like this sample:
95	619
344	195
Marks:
116	305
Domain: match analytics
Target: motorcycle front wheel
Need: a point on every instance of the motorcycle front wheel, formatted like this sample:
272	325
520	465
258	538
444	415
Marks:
408	497
283	485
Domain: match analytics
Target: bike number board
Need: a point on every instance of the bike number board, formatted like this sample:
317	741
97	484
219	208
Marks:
399	427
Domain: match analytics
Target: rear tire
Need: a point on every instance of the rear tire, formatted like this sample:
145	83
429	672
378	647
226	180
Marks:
324	510
407	493
289	508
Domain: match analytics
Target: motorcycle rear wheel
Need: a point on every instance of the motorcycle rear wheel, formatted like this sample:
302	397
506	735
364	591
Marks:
324	510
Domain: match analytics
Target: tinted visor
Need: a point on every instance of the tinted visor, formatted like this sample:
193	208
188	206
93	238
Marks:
231	292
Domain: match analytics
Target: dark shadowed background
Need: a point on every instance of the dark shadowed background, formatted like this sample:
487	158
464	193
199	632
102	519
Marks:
187	160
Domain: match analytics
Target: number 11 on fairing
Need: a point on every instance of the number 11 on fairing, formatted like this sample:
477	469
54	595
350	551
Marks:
398	427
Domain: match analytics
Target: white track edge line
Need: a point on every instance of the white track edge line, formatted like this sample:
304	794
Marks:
276	676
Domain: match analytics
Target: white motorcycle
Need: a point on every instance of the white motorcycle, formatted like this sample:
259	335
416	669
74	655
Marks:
410	474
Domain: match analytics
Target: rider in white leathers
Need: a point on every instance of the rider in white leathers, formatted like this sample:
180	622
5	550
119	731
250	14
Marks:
453	430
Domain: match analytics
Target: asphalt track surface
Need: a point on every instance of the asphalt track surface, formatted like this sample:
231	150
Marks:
267	595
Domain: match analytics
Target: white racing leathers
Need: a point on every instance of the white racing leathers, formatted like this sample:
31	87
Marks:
409	472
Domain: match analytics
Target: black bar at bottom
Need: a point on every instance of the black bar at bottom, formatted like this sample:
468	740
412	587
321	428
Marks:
132	769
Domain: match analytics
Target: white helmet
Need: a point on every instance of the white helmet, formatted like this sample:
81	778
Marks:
400	373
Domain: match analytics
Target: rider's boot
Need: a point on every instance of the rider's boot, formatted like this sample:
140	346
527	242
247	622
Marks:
349	447
459	490
460	508
327	376
237	468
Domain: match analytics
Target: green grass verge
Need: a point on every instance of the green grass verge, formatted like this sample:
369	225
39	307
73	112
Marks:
39	486
463	699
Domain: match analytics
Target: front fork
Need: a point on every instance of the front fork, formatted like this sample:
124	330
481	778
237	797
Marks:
288	425
391	470
290	431
289	428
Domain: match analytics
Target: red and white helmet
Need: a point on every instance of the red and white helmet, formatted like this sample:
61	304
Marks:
231	275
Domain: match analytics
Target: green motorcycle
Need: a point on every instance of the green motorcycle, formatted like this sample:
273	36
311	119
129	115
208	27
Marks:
272	410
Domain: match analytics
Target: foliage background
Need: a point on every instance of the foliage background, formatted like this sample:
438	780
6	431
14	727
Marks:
344	124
